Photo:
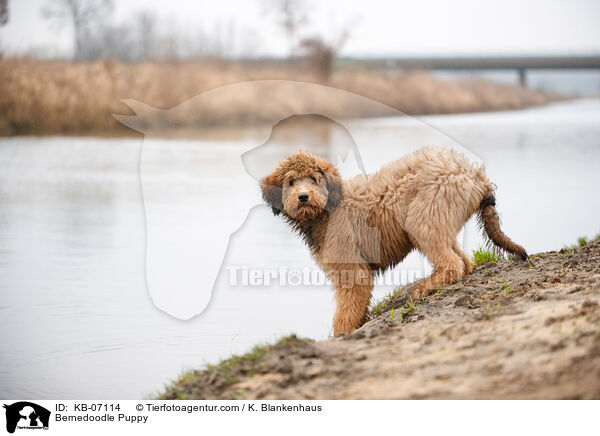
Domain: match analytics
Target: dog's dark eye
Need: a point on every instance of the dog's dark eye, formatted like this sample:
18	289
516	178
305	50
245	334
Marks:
313	178
291	182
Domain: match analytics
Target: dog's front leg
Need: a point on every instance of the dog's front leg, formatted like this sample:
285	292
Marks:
353	285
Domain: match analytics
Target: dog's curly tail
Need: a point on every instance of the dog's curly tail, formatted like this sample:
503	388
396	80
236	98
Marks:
488	217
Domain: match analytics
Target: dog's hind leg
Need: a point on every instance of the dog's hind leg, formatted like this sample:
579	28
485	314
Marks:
353	285
448	266
464	257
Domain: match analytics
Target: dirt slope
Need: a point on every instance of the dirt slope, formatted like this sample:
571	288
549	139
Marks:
510	330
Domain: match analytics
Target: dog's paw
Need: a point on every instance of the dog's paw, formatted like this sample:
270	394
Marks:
468	268
416	292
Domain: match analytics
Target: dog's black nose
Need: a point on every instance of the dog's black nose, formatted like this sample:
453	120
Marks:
303	198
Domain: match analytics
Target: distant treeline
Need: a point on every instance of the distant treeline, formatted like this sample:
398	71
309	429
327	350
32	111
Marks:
59	97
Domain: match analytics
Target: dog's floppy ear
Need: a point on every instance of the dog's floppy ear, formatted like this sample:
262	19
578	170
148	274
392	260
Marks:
271	191
334	185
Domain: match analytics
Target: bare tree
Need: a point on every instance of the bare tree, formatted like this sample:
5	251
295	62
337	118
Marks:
83	15
291	16
320	55
146	34
3	12
115	42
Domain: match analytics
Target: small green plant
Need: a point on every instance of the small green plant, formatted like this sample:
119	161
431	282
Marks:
407	309
506	288
382	305
567	249
582	241
410	306
391	315
484	255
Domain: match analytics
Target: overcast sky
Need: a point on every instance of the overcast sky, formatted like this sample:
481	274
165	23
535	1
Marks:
378	28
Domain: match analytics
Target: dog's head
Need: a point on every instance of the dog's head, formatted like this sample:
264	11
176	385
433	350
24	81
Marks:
303	186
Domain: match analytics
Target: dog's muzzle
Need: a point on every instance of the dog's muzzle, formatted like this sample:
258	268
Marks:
303	198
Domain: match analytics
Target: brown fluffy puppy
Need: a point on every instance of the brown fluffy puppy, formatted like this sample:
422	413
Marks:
363	225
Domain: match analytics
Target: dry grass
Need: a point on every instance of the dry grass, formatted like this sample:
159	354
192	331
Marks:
57	97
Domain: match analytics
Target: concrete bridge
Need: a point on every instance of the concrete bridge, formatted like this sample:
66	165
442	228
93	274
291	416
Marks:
518	63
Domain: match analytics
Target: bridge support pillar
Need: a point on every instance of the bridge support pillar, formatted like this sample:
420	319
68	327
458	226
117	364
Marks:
522	77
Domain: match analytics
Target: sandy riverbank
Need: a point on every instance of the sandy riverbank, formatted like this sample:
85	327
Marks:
512	329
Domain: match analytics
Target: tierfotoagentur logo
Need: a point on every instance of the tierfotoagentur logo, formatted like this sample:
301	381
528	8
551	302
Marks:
26	415
242	276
